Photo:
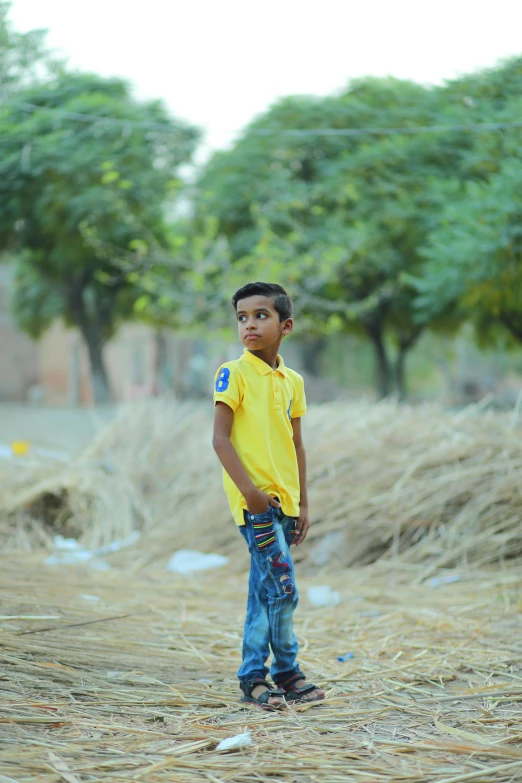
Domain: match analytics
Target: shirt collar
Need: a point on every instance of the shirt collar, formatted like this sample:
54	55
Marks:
262	367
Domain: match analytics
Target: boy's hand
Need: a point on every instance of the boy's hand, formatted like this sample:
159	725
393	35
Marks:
258	501
302	526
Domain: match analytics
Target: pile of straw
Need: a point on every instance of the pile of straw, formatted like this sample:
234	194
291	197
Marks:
129	674
418	484
126	677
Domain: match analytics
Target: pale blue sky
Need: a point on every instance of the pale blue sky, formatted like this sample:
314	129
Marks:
220	62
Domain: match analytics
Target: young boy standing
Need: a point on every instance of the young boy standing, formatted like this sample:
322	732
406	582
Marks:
257	437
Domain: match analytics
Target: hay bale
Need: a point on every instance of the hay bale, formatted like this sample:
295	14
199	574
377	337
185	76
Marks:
418	484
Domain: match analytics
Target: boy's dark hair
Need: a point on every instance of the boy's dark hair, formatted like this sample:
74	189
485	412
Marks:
282	302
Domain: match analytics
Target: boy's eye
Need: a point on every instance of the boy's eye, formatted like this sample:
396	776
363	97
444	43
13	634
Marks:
241	318
261	315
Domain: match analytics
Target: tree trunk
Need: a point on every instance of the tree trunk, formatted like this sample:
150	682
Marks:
513	324
101	391
405	345
400	375
161	367
312	349
382	362
91	330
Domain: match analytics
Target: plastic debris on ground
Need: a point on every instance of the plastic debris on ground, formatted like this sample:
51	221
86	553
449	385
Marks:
323	596
186	561
233	743
115	546
443	580
343	658
69	551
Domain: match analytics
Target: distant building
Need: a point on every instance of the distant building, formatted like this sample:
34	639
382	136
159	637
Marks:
140	362
18	353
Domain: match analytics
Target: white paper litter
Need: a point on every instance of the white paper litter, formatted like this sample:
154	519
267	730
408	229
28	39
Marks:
89	597
186	561
115	546
69	551
232	743
443	580
65	543
323	596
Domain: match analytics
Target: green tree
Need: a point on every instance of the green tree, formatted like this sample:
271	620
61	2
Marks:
352	210
474	257
473	252
24	57
85	173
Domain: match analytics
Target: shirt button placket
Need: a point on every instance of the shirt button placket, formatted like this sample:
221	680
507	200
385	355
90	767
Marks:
277	391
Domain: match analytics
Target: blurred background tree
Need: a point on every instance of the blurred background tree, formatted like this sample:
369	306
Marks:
389	210
473	254
24	57
352	207
86	173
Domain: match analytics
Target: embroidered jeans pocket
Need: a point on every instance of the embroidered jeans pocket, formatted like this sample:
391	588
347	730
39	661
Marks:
263	526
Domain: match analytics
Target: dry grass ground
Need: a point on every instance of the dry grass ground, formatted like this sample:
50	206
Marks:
140	685
129	674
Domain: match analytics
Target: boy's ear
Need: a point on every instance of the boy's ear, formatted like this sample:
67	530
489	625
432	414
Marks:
287	327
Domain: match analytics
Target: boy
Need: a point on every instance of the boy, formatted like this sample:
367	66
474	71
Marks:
257	437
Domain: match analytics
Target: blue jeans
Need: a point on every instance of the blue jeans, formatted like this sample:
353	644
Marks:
272	597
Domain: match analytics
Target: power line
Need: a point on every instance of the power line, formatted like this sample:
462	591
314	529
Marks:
369	131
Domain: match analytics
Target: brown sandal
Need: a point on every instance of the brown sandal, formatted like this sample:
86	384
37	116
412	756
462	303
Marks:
247	686
294	695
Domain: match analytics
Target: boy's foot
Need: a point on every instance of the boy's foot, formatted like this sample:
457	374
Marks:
259	693
316	695
273	701
296	690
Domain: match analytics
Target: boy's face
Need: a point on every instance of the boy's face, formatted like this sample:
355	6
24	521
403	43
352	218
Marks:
258	323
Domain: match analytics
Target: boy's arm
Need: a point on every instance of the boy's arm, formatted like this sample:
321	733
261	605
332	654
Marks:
302	523
257	501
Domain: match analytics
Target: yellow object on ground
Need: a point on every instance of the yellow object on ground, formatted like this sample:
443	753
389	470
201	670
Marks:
20	447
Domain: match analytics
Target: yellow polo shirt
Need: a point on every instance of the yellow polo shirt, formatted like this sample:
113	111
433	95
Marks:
264	401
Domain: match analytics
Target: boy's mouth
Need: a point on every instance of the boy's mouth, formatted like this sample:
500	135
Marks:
252	336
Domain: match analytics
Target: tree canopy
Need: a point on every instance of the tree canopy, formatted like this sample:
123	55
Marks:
473	254
352	211
85	173
24	57
388	209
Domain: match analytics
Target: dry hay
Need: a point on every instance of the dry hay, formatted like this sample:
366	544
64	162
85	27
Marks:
129	675
419	484
140	684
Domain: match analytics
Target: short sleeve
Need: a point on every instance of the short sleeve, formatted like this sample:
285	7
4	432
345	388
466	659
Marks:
298	407
228	386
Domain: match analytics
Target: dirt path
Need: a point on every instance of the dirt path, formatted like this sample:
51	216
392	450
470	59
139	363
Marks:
122	676
69	429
